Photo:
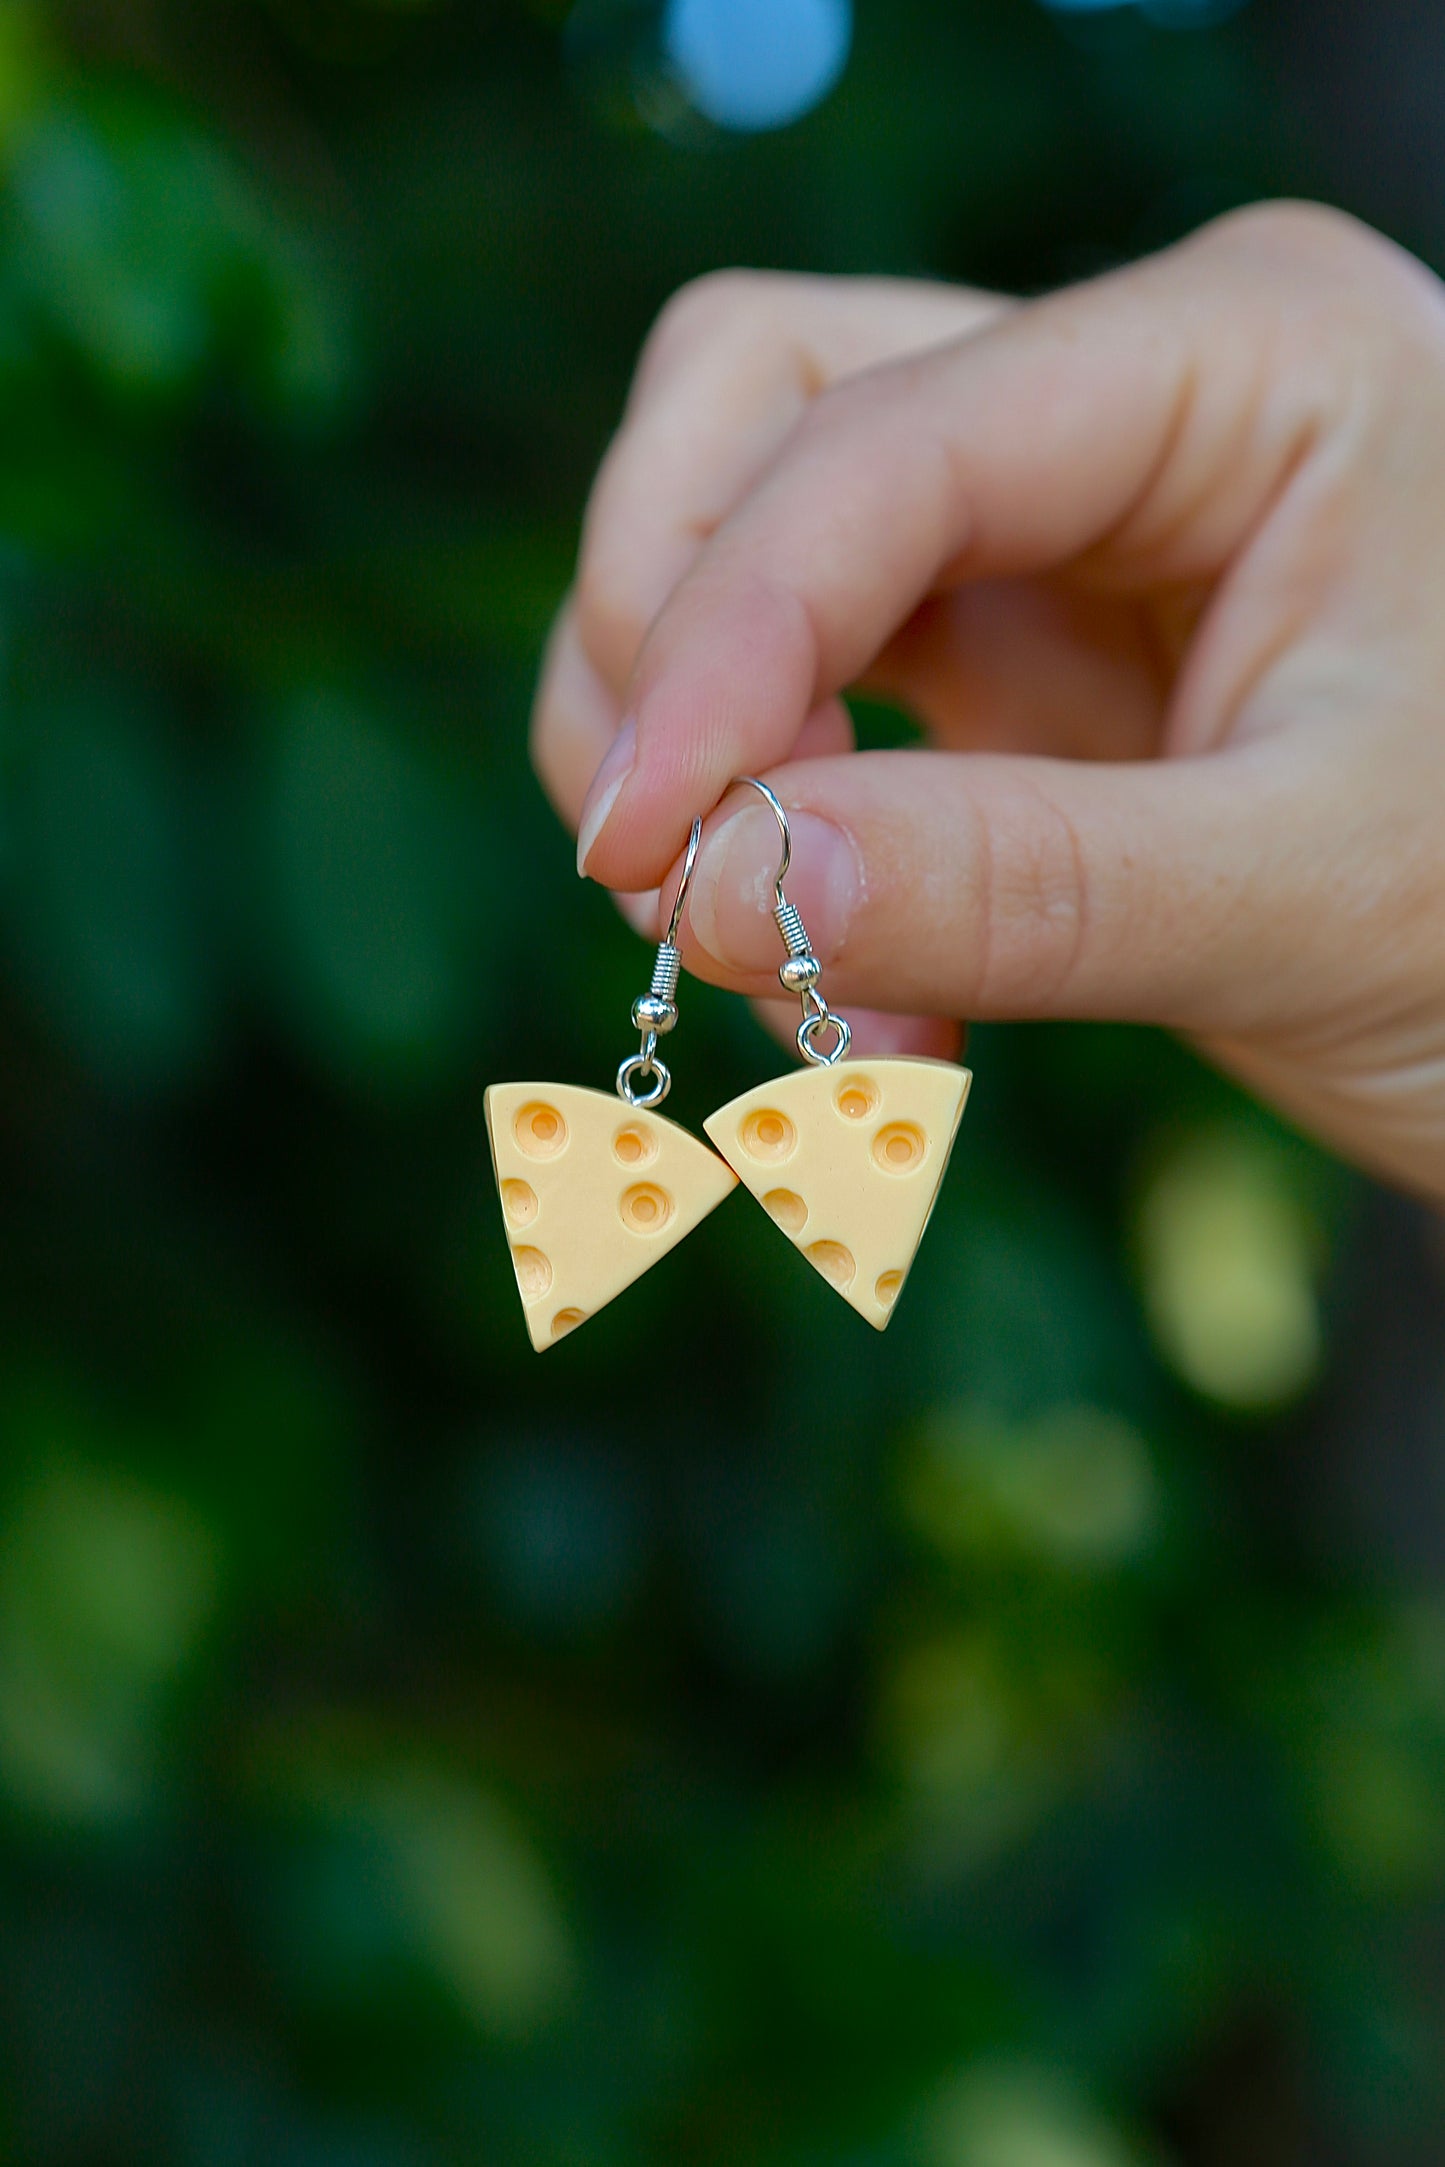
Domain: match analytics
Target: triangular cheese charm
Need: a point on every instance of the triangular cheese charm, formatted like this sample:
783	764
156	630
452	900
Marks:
848	1161
593	1192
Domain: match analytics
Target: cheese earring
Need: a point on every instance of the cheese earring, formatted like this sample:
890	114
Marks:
847	1157
593	1193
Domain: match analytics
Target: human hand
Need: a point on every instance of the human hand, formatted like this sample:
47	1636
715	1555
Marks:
732	365
1154	561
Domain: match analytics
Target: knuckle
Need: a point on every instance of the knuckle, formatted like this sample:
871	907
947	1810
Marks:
1335	256
693	317
1351	304
834	410
610	614
542	751
1293	226
1036	905
544	738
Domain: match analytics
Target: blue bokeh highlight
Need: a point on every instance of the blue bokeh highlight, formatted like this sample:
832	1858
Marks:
752	65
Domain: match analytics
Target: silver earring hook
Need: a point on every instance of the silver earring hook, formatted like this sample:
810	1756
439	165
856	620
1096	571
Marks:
802	971
689	861
655	1012
784	830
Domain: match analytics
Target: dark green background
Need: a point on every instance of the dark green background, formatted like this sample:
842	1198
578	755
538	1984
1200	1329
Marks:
737	1741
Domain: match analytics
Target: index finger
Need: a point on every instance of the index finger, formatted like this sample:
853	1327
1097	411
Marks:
1131	407
733	363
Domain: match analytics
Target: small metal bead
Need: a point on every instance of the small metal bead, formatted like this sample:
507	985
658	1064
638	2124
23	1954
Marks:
651	1013
801	973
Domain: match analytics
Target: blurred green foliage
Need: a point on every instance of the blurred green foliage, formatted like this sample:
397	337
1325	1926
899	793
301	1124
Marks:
736	1740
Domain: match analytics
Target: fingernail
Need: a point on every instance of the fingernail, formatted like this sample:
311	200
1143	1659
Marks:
731	906
602	794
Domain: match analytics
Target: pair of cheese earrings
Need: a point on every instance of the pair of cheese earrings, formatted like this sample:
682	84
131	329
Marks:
845	1156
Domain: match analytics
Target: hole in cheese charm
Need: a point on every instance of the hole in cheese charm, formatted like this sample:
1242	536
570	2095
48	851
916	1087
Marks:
848	1161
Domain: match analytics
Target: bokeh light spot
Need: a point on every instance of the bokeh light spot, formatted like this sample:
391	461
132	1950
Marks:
1229	1253
1074	1490
1022	2116
757	64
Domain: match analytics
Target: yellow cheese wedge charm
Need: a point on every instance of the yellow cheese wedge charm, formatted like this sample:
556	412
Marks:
594	1191
596	1188
848	1159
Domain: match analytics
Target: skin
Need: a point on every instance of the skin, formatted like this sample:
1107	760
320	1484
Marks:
1158	562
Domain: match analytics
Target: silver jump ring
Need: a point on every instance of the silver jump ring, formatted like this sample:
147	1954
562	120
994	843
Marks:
644	1064
808	1030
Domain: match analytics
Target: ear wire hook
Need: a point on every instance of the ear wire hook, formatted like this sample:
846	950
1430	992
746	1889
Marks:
784	830
689	861
802	971
655	1012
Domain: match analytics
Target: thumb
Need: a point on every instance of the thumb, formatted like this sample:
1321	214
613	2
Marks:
967	884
